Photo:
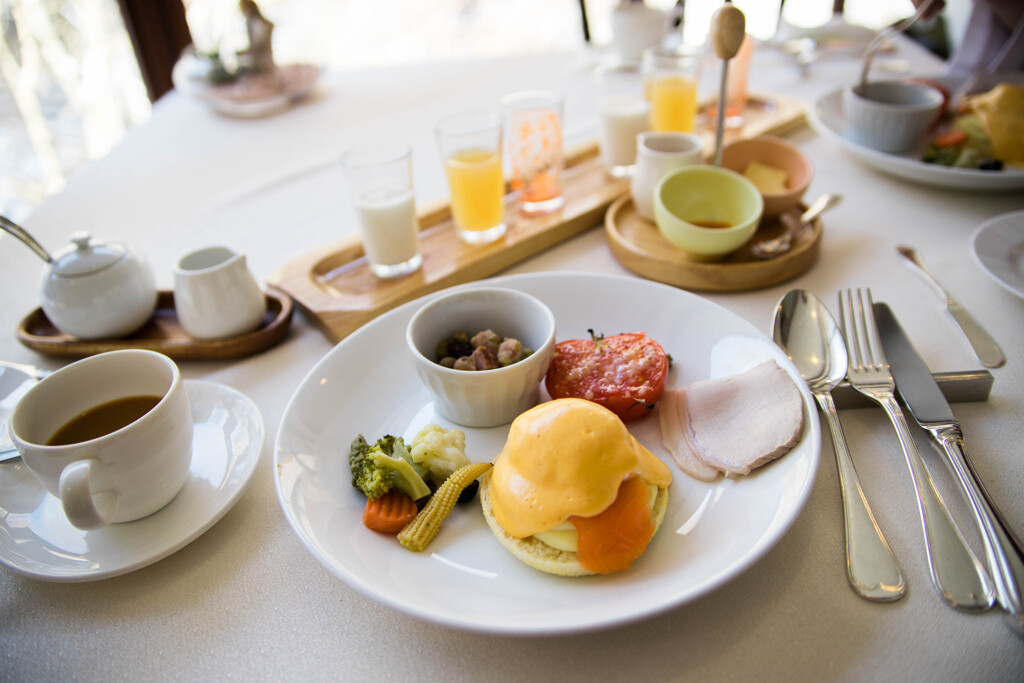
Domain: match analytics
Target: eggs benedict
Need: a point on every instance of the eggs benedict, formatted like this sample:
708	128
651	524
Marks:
573	492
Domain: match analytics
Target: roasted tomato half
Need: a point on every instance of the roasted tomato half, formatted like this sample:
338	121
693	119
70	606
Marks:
625	373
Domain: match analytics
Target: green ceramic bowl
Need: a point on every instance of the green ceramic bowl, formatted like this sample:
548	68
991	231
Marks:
707	211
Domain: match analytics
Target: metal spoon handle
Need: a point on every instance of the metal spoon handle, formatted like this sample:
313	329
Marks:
820	206
20	233
956	572
871	568
885	34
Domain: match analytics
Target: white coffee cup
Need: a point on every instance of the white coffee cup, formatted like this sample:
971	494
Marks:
121	475
215	295
657	155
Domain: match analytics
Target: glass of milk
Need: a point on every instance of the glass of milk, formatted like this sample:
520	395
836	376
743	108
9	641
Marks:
379	176
623	117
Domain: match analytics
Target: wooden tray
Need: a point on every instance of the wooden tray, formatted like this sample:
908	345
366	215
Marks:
763	115
335	288
162	333
638	244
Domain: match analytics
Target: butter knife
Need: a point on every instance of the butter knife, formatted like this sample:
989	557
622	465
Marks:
919	391
986	348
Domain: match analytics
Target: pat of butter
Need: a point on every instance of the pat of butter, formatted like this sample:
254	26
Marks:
767	179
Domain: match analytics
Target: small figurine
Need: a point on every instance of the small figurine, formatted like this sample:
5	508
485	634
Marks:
260	55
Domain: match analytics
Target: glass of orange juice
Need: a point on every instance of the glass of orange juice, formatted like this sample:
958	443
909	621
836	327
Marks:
470	146
533	137
670	85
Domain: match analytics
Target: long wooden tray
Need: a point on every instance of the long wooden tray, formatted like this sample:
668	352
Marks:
162	333
333	285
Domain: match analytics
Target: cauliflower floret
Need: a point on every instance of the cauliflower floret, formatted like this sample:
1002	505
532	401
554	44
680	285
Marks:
441	451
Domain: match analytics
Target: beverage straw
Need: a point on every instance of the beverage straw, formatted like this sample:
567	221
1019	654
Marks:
728	28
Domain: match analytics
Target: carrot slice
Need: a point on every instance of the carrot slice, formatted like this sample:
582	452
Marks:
613	539
952	138
389	513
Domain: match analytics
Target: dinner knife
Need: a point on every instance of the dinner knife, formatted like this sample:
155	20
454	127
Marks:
919	391
986	348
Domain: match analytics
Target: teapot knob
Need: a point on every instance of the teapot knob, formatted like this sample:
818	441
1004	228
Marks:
81	239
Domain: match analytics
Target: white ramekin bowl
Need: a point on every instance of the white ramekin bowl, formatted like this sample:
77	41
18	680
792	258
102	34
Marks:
890	116
484	398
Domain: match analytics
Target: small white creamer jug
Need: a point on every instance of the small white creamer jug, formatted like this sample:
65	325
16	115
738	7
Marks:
657	154
216	296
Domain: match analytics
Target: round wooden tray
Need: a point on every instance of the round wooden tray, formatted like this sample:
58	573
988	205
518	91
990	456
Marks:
638	244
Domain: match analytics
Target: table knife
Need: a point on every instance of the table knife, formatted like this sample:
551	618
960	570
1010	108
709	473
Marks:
919	391
986	348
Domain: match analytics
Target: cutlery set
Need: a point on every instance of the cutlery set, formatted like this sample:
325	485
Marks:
869	349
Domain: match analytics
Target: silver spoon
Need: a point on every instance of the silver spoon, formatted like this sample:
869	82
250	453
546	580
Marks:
780	245
10	226
810	336
880	39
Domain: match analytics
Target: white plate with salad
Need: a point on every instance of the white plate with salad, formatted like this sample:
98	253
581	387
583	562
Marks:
827	118
466	579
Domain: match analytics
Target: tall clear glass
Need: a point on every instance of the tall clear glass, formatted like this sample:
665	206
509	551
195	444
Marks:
379	175
671	76
470	145
533	136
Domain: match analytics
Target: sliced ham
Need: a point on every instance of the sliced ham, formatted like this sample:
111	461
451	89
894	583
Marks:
733	424
676	439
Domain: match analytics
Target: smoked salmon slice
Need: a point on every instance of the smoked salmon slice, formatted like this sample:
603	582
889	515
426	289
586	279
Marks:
611	540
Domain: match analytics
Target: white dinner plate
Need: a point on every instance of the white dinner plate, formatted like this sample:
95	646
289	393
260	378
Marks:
998	246
37	540
466	579
826	117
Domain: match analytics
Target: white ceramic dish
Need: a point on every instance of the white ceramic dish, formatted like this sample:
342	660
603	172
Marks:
826	116
37	540
466	579
998	246
491	397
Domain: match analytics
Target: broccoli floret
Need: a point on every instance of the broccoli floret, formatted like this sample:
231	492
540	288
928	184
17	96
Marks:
400	470
373	480
439	450
385	465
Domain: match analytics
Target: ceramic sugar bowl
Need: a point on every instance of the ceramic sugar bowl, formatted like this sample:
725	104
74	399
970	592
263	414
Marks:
95	289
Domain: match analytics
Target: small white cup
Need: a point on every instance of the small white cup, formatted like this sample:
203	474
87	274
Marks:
216	296
890	116
657	155
121	476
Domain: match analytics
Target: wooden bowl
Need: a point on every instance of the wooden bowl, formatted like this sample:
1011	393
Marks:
776	152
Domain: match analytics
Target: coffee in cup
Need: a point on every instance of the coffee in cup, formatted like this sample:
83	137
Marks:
109	435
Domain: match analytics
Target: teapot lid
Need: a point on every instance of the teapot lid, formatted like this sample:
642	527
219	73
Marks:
86	255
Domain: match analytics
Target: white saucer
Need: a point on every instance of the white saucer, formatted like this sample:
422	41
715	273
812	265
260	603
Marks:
37	540
998	246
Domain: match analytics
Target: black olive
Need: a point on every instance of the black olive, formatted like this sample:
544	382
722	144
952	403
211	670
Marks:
457	348
469	493
991	165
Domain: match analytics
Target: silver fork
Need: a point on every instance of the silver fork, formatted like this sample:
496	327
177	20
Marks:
956	572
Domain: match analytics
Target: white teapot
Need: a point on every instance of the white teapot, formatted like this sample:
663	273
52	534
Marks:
95	289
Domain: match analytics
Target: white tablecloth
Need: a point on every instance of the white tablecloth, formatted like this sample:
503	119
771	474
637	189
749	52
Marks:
247	600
